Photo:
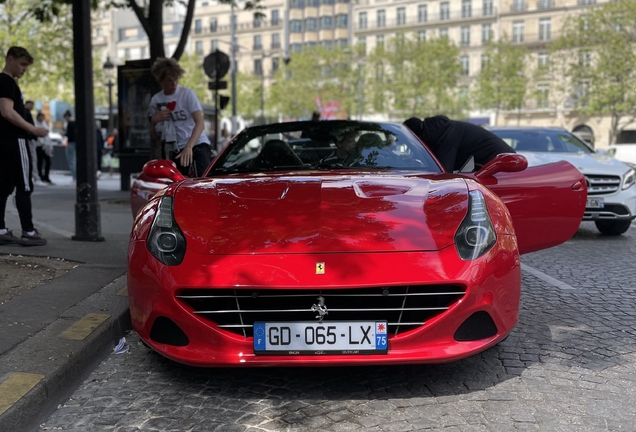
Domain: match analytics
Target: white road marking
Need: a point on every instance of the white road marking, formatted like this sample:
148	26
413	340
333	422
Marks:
546	278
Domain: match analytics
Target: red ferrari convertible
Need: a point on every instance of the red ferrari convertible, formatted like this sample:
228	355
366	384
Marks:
338	243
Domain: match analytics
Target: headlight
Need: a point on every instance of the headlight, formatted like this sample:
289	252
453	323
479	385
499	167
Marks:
476	234
166	241
629	178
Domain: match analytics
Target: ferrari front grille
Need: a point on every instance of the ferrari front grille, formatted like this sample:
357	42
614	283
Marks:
403	307
600	185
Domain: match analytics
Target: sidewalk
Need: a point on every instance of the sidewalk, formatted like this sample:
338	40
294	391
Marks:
53	335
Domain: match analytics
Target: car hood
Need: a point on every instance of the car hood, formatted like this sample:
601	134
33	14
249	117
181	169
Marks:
322	214
586	163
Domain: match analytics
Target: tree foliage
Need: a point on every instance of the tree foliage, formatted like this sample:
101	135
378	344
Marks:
596	50
502	83
416	78
314	76
194	77
50	43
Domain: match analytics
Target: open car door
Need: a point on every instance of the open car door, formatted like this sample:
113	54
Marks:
546	202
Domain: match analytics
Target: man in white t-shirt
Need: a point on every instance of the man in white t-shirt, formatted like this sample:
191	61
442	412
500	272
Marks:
179	108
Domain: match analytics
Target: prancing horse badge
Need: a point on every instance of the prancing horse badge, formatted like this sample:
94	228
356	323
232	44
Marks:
320	268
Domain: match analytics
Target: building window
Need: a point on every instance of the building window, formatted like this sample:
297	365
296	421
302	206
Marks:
326	22
312	24
487	8
379	40
275	17
543	60
198	47
296	26
444	11
198	26
464	61
518	5
297	4
362	20
545	29
486	32
99	32
343	43
585	58
443	32
296	47
258	43
213	25
362	42
341	21
275	40
543	93
484	61
421	35
326	43
465	35
214	45
422	13
401	16
587	2
257	22
275	64
467	8
258	67
545	4
518	28
381	18
127	53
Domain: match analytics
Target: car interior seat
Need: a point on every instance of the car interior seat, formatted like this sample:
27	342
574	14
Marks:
277	153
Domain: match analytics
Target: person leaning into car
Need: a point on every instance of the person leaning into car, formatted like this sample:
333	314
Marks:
178	109
454	142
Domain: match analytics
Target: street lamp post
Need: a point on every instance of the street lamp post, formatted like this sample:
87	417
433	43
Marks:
109	71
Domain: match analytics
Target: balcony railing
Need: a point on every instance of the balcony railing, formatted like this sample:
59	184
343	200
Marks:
413	20
240	27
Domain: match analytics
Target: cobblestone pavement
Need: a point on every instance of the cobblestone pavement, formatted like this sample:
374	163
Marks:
569	365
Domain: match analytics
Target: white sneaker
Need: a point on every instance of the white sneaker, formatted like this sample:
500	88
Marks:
98	174
40	183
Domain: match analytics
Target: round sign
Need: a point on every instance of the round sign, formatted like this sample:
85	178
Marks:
216	64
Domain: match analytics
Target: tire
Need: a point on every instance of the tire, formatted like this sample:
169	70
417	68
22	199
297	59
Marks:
612	227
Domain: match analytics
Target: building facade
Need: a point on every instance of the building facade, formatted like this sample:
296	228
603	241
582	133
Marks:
291	25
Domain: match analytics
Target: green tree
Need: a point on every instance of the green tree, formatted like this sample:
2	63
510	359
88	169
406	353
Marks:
596	50
502	82
313	76
248	96
416	78
50	43
195	77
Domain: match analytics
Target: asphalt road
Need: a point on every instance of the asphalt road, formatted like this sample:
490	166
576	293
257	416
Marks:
569	365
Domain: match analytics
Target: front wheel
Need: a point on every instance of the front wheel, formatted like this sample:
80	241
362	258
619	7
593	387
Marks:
612	227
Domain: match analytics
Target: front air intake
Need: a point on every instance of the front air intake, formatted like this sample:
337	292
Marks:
165	331
478	326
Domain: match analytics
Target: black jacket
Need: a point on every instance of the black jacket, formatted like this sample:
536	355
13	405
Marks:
454	142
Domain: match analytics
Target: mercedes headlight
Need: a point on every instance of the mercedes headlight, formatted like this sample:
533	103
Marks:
629	178
475	235
166	241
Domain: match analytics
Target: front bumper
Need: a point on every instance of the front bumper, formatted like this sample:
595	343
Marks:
492	285
620	205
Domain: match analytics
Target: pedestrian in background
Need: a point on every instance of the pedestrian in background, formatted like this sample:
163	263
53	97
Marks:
43	150
32	141
112	144
99	142
69	131
177	120
15	163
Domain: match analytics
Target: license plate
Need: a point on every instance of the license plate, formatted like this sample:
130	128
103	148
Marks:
595	203
316	338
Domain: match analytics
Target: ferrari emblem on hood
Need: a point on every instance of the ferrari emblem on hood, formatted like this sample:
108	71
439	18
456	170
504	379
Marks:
320	268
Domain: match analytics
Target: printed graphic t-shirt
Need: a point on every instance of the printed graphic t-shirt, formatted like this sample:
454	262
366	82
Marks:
9	89
182	103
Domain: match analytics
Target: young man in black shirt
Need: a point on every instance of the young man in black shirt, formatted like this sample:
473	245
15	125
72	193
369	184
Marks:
15	158
454	142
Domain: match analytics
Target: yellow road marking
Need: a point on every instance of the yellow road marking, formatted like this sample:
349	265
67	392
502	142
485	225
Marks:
16	386
84	327
123	292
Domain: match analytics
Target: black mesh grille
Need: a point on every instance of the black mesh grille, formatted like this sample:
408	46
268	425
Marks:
403	307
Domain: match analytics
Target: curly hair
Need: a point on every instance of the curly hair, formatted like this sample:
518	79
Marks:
166	68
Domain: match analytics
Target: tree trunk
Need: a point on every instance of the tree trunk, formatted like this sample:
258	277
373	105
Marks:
187	24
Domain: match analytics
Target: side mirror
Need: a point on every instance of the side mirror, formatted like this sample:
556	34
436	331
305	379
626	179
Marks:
505	162
163	168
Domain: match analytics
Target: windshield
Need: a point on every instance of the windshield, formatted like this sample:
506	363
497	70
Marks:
543	141
325	145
